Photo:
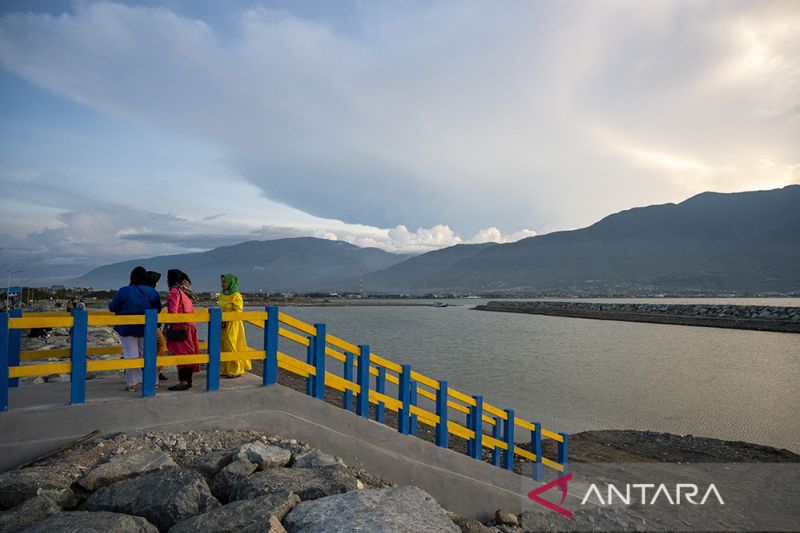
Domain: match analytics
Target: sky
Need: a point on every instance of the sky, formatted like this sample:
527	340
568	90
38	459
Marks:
134	129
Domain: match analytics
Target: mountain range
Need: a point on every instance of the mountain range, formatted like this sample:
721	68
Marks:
747	242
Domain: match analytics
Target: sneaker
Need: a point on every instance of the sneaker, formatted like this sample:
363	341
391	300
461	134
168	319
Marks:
181	386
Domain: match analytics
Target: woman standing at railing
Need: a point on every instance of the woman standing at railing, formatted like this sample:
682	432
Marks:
133	299
233	337
181	338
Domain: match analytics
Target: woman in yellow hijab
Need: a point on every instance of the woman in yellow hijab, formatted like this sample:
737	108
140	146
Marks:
233	337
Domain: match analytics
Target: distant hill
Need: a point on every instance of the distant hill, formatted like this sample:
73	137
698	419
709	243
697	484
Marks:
712	242
303	264
717	243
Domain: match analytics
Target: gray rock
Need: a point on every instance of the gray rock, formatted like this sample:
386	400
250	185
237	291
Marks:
28	513
470	525
210	464
240	515
125	466
16	486
264	455
272	525
305	482
228	476
83	522
315	459
164	498
506	518
386	509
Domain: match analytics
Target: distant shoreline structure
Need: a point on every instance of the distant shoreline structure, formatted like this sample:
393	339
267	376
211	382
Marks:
748	317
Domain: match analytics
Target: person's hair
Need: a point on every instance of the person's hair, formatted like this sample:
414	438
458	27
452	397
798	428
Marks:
176	277
139	276
152	278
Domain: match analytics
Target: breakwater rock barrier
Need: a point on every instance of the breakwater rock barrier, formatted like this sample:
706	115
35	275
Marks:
756	317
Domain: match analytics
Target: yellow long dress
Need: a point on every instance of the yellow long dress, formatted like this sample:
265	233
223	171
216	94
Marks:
233	337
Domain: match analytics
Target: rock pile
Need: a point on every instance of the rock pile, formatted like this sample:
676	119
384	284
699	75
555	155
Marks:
209	481
758	317
59	338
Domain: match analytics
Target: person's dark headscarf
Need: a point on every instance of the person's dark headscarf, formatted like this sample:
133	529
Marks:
180	279
139	276
174	277
152	278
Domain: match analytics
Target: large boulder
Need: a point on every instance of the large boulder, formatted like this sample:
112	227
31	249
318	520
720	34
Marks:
164	498
228	476
306	483
264	455
316	459
385	509
16	486
211	463
242	514
125	466
83	522
28	513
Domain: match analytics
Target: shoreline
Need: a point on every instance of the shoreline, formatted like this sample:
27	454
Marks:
730	316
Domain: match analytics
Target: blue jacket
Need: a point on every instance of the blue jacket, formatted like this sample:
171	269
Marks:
133	300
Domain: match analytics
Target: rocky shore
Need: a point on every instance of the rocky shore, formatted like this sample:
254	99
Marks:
212	481
754	317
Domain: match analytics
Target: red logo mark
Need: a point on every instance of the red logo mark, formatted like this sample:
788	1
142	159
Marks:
560	482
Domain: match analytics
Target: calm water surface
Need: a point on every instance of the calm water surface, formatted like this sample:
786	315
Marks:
577	374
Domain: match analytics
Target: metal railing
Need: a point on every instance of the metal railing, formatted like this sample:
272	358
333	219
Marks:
360	365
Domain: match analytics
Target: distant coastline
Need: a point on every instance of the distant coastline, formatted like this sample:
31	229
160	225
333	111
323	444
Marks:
749	317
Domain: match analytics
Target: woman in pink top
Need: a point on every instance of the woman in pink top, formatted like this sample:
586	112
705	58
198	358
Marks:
179	300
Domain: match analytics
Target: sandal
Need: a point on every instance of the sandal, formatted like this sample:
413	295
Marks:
131	389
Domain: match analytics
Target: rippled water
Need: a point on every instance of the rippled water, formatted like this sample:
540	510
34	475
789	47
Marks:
577	374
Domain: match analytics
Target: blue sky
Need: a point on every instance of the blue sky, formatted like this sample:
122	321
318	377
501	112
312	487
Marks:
132	129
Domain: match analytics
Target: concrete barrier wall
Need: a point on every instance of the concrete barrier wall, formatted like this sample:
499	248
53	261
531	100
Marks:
459	483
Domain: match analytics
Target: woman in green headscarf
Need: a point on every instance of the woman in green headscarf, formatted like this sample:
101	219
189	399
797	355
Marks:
233	337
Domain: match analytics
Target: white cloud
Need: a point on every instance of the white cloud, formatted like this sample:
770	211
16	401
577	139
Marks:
426	110
495	235
455	118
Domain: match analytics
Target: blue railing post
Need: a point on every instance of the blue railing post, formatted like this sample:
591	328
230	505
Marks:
14	348
362	399
498	425
441	412
508	436
476	419
77	352
310	361
404	395
214	348
413	418
149	373
563	453
348	375
380	386
536	449
4	362
271	327
319	362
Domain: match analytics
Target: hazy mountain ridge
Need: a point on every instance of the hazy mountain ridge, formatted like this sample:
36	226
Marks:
711	242
301	264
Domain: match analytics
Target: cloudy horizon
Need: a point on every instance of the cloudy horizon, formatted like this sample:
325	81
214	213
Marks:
135	129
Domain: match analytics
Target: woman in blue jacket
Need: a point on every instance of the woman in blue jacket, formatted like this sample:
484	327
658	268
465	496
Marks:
134	299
